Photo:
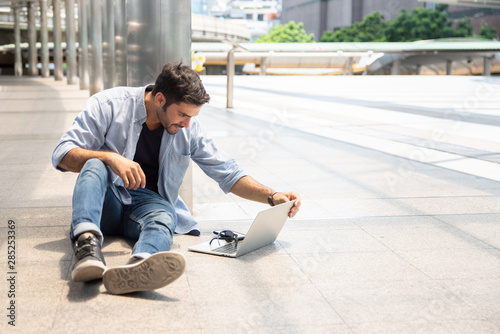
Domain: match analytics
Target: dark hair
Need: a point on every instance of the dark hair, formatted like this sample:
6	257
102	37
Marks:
180	83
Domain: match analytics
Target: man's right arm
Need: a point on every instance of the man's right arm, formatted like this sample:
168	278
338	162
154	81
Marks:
130	171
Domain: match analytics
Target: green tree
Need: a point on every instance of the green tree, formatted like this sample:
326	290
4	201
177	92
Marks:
440	7
464	28
488	32
289	33
422	23
370	29
419	24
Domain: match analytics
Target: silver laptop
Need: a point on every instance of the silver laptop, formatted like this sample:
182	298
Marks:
264	231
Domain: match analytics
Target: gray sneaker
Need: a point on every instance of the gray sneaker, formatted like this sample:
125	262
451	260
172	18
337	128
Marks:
89	261
154	272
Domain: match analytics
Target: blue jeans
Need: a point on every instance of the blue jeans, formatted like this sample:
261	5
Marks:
149	219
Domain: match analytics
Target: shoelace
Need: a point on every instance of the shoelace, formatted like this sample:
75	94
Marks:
86	247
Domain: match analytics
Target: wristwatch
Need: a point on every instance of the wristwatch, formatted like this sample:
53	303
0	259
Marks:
270	199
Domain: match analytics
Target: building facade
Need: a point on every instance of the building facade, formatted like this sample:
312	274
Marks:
321	15
478	16
258	15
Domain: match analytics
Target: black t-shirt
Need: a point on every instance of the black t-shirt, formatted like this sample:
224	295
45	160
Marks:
147	154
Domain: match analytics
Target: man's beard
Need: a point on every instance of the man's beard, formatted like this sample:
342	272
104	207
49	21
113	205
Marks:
174	131
169	126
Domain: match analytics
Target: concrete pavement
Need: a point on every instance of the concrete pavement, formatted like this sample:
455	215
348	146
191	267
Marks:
398	233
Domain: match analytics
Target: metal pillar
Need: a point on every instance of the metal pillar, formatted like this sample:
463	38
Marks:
487	66
449	67
108	44
57	51
18	60
230	77
95	47
159	32
32	51
396	67
44	38
120	43
419	69
70	42
83	41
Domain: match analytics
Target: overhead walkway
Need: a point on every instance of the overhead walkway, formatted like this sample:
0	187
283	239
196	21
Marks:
445	56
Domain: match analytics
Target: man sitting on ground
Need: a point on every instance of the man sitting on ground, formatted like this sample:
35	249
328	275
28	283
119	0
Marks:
132	147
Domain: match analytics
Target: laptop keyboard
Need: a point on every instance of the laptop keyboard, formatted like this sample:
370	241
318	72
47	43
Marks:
226	249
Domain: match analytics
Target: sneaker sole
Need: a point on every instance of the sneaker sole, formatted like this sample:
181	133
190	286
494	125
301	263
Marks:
88	271
157	271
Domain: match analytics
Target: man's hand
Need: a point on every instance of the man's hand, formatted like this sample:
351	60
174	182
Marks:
283	197
130	171
250	189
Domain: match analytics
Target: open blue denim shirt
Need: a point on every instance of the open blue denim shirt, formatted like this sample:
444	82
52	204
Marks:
112	121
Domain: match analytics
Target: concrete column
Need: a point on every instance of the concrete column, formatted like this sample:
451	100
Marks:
44	38
396	67
120	43
57	51
32	51
70	42
83	41
449	67
108	44
18	60
349	64
487	66
95	47
263	66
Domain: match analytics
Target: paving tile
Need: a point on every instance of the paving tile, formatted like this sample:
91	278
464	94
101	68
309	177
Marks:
453	205
495	328
319	224
357	266
38	290
173	309
481	294
265	306
483	227
459	263
414	221
394	301
295	329
312	242
347	208
263	268
427	326
218	211
44	244
423	238
44	216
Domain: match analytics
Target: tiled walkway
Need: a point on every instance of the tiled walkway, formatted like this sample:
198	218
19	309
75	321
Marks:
399	231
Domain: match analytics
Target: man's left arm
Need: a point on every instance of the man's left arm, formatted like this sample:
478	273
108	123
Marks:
248	188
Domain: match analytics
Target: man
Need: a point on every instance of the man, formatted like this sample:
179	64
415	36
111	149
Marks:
132	147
